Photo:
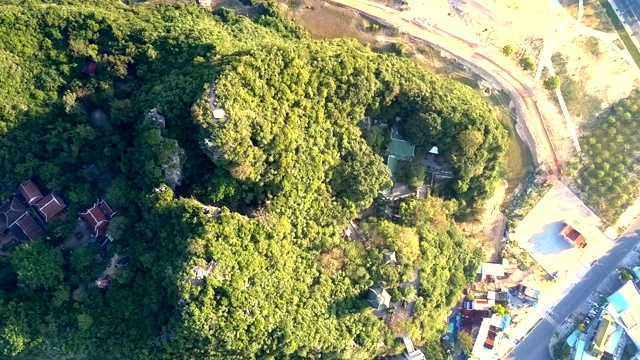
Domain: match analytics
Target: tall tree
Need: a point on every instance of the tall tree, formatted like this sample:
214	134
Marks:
38	265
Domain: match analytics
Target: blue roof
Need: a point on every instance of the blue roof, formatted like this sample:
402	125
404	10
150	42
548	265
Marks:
622	299
618	301
573	338
506	320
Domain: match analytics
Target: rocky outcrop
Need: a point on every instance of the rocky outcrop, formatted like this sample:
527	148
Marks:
173	167
157	118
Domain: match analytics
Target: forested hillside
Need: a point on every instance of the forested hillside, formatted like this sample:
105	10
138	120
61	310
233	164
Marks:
233	223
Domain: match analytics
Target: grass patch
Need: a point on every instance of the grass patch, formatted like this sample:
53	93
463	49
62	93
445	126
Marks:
517	162
579	102
624	36
592	45
593	16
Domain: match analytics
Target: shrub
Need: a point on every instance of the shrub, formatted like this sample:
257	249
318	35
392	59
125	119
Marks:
507	50
552	83
527	63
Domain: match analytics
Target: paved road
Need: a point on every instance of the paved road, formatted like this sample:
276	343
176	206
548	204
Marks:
629	10
536	345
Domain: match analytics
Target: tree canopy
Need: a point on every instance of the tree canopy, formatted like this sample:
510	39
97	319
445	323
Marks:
607	173
233	193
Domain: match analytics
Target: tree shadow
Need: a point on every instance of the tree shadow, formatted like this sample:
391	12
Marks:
349	306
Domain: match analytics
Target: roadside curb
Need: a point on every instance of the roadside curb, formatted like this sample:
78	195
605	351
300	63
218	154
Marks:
524	336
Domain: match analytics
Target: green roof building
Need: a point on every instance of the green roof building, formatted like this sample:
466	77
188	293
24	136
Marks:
399	150
392	164
379	298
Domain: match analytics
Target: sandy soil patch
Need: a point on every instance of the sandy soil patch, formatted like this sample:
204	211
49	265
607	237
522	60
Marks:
599	71
489	229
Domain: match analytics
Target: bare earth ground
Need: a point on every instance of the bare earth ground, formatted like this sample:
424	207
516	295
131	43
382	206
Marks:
490	228
606	75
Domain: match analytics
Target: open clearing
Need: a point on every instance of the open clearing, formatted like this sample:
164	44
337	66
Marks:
539	234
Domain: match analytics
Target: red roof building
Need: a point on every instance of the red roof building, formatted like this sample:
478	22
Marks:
30	192
27	229
574	236
15	222
90	68
103	282
97	217
50	206
106	209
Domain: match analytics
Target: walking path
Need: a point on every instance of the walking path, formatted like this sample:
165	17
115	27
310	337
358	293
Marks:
580	10
555	39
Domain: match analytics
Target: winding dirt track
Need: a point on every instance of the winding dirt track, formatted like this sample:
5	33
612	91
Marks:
531	125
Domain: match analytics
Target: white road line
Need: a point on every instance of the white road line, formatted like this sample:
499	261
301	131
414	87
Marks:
552	321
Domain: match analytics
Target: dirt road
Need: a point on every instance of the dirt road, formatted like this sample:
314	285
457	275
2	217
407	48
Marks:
494	67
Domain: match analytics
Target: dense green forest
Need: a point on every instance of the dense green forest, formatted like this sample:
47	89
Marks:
607	172
243	256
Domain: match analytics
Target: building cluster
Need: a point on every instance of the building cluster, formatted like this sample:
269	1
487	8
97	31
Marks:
24	215
487	316
477	318
399	152
615	324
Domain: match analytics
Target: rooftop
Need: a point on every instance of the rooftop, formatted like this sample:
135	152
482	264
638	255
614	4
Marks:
573	235
30	192
378	297
50	206
97	217
106	209
573	338
390	257
599	340
485	342
27	229
392	164
90	67
491	269
10	212
624	308
400	148
622	299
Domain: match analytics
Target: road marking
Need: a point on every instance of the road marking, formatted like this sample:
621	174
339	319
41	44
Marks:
552	321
